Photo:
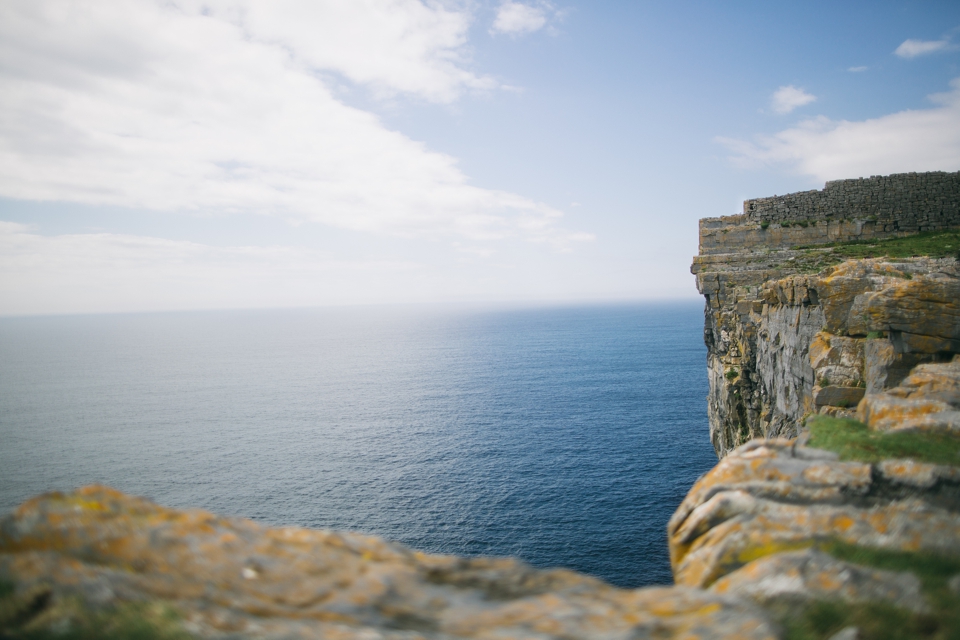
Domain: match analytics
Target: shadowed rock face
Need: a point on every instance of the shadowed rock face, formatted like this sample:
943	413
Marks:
99	547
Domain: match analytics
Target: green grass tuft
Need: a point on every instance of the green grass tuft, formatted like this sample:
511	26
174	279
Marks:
37	617
935	244
854	441
880	621
933	569
876	621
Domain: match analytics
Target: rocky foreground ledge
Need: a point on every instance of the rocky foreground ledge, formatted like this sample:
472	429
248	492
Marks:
853	534
99	560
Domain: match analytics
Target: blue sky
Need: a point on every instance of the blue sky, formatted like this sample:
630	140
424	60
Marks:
248	154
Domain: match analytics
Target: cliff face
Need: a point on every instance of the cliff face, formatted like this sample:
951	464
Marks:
792	330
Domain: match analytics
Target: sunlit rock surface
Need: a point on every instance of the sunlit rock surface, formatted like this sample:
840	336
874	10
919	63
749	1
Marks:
782	345
229	576
795	577
768	497
790	332
927	400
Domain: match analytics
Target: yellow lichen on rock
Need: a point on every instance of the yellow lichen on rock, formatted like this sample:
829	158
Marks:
768	497
103	550
927	400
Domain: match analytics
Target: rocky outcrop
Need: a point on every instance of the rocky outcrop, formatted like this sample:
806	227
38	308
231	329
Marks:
99	550
797	529
773	496
758	544
794	330
790	333
843	530
795	345
928	399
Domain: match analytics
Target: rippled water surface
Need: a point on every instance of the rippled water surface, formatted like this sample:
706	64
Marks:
565	436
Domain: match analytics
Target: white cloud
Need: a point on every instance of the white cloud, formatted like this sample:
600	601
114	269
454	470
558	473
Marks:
218	108
786	99
516	18
108	272
914	48
80	273
912	140
394	45
857	69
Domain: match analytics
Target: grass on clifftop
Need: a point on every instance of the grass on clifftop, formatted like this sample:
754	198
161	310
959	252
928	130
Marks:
935	244
853	440
37	615
879	621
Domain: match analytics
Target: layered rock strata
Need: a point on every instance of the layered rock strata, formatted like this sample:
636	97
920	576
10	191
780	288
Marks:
775	496
766	522
753	547
927	400
789	334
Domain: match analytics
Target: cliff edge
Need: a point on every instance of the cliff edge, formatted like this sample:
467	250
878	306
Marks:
816	299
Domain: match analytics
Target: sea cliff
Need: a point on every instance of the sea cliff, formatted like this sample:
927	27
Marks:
817	298
832	326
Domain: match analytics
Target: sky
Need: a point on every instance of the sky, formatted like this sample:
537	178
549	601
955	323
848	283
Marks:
160	155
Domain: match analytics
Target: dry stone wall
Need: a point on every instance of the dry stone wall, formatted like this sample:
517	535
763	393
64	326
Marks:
865	209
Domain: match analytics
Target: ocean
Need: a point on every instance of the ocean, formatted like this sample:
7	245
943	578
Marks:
565	436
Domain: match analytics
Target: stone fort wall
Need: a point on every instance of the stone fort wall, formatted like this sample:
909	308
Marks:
860	209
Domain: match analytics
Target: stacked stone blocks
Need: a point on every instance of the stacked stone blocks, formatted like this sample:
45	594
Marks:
862	209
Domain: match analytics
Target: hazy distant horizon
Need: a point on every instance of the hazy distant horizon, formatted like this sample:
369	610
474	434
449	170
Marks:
428	307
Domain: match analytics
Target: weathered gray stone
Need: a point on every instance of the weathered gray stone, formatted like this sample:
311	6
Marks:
233	578
885	367
799	576
774	335
837	361
770	497
927	400
837	396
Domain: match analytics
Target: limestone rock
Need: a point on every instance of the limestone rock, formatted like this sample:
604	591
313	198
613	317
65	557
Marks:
232	576
836	360
927	400
837	396
768	497
798	576
783	345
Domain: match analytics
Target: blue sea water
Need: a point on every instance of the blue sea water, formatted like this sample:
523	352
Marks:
564	436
